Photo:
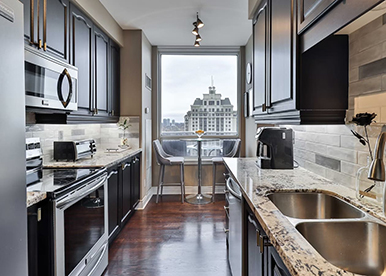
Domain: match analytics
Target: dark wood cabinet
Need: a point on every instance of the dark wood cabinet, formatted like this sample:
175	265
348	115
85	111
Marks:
261	258
126	189
124	193
260	58
46	26
115	79
82	52
291	87
113	197
310	10
101	42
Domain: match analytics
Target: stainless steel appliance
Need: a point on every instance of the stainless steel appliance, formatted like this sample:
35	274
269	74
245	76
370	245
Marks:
74	150
13	215
274	148
75	239
49	82
233	198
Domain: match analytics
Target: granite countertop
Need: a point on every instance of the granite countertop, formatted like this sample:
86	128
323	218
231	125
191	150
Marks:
35	197
100	159
297	254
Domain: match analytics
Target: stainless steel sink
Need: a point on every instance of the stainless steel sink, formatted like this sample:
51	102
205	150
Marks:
313	206
355	246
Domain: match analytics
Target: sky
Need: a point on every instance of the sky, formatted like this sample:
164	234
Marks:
186	77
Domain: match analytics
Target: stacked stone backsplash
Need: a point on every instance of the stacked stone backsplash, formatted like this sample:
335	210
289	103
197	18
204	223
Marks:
105	135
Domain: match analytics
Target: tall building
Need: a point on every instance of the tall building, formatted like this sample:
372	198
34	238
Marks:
211	114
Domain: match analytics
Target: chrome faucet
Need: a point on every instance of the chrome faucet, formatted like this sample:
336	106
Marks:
377	167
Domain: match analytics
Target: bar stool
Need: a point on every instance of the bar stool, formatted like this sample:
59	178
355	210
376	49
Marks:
164	159
234	152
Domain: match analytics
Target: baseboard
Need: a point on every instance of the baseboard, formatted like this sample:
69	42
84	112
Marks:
175	190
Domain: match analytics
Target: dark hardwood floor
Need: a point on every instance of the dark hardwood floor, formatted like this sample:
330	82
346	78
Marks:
170	239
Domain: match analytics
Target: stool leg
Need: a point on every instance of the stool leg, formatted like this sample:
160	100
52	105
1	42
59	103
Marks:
182	184
214	181
161	170
163	176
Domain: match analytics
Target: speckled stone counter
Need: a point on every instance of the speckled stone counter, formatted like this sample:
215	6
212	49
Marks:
100	159
35	197
297	254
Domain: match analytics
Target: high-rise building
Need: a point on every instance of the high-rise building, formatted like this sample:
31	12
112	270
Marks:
211	114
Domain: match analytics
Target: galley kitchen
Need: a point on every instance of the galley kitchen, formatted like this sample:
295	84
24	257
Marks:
241	138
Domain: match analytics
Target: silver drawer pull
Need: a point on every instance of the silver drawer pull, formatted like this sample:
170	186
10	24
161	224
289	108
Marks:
226	230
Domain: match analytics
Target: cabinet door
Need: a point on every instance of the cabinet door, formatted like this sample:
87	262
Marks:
82	53
113	191
255	252
101	72
28	10
136	166
311	10
54	27
115	86
126	190
276	266
283	48
260	55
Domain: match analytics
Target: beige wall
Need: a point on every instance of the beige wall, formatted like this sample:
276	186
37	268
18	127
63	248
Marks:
136	59
105	21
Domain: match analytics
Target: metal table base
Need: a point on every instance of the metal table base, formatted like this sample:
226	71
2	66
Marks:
198	199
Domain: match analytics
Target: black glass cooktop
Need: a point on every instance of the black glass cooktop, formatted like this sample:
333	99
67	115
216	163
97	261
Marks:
55	180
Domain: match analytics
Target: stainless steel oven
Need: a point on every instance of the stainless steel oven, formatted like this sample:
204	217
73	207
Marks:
49	82
80	229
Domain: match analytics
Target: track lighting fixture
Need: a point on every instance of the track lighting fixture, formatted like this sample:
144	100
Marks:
197	25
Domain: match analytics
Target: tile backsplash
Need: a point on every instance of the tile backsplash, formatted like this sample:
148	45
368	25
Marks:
333	151
105	135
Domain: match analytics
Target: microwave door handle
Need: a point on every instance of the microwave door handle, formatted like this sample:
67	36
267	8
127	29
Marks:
66	102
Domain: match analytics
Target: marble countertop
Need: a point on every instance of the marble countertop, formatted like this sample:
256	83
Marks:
100	159
35	197
297	254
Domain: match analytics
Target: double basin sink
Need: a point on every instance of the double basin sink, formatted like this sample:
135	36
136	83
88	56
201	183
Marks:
344	235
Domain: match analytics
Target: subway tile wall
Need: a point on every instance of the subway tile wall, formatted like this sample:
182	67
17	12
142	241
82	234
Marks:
105	135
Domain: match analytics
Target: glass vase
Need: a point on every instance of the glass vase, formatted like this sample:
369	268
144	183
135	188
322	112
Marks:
367	189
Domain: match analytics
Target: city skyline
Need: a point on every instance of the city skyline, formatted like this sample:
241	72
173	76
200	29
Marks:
186	77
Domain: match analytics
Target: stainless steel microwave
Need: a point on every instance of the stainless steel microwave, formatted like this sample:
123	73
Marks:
49	82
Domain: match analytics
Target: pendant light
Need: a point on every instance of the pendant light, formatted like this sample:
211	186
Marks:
197	25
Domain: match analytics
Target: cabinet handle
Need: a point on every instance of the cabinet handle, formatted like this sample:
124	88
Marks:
226	230
124	166
264	108
226	211
38	29
111	174
252	221
32	14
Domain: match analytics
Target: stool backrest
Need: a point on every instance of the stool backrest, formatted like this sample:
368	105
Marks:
160	154
235	151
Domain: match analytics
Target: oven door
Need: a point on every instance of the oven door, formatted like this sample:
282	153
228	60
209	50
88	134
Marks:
49	83
81	238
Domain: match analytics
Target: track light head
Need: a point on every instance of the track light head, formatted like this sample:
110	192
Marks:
197	44
198	38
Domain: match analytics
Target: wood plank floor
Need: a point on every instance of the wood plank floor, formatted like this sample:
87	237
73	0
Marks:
170	239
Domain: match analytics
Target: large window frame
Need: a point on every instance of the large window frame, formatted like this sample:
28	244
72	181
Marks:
200	51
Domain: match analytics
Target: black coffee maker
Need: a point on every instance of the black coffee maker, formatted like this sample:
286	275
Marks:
274	148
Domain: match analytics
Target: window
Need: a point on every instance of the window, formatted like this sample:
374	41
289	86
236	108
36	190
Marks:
191	85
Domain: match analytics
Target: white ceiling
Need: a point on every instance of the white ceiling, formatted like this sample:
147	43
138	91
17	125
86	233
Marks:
169	22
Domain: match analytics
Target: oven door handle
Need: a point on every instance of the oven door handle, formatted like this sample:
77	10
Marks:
236	195
102	252
75	197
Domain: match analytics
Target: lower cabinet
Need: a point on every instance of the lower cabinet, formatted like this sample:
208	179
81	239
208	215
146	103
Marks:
124	193
261	258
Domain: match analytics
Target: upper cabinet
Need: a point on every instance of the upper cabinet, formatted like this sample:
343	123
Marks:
46	26
318	19
61	29
291	87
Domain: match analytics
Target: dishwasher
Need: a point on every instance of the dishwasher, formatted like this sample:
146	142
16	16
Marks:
233	198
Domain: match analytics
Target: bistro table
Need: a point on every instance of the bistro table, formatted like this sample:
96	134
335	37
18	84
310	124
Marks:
199	198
